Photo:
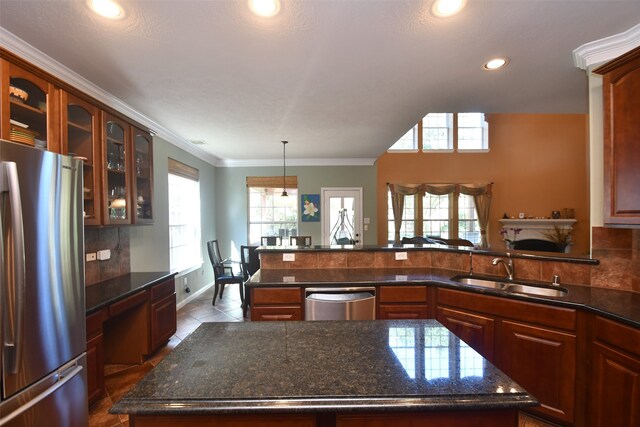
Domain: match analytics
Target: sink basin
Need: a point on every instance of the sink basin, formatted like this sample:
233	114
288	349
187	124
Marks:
512	287
537	290
485	283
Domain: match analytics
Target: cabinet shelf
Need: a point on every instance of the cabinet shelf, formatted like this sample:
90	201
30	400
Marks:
121	172
26	107
114	141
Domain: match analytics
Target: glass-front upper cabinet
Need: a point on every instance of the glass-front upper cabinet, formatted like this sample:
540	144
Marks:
143	173
80	139
116	161
29	108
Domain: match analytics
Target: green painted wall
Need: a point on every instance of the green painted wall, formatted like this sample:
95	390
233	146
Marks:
150	244
231	209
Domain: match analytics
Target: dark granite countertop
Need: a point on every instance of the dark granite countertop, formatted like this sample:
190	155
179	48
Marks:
619	305
545	256
109	291
322	366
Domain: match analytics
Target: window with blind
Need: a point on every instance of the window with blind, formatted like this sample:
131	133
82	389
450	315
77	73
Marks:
184	217
270	214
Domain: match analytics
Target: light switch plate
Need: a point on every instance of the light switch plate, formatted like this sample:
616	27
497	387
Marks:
288	257
401	256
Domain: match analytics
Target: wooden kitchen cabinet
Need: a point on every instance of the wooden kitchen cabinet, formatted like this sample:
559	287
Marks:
403	302
535	344
81	137
621	85
615	377
28	108
116	171
143	172
276	304
543	361
475	329
95	355
162	314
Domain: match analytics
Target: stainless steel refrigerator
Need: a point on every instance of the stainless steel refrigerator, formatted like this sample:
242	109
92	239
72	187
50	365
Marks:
42	303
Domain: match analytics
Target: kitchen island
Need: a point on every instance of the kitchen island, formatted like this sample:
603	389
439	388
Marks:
324	373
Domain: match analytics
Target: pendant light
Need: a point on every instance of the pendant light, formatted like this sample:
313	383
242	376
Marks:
284	168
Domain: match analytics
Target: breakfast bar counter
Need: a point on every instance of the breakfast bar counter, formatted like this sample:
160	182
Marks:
324	373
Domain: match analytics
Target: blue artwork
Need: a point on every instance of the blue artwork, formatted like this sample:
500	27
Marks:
310	207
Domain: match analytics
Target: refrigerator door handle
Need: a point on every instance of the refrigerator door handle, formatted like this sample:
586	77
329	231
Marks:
14	270
64	375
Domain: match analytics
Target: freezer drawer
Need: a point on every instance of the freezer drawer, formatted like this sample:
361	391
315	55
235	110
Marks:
58	400
340	304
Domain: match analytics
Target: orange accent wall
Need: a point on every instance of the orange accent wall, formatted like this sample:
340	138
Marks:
538	163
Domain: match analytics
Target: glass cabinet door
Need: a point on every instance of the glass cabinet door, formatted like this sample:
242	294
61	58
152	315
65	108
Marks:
32	106
80	135
117	206
143	172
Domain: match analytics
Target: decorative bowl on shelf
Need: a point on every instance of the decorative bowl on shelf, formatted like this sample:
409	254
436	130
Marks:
22	95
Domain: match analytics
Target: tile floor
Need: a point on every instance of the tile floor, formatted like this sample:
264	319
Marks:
119	379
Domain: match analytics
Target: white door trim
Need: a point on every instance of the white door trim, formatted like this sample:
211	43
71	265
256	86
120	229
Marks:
325	216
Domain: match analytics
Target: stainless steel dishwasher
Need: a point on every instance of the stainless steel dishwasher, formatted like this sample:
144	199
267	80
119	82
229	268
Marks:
340	304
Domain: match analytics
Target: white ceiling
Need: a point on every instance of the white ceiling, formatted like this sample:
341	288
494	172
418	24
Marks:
338	79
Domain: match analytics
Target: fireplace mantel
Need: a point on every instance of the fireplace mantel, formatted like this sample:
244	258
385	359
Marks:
535	228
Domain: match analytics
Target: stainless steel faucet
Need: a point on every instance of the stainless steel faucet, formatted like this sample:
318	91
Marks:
508	265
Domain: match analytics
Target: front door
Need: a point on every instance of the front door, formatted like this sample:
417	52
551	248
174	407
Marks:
342	216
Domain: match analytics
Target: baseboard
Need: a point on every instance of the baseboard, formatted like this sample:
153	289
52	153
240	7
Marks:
193	296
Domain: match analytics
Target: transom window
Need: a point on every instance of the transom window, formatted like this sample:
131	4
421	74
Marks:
446	132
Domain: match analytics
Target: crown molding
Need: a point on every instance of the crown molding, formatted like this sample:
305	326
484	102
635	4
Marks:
252	163
24	50
606	49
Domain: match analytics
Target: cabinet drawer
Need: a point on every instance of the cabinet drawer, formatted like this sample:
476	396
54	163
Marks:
624	337
276	313
127	303
556	317
403	294
404	311
162	290
277	296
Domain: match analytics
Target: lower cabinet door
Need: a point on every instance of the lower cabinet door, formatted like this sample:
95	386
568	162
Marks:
474	329
615	388
543	362
163	321
95	368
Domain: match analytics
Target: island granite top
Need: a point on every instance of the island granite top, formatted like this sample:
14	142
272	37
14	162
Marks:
322	366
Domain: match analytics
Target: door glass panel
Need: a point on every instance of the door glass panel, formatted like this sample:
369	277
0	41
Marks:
342	220
28	113
116	177
143	176
80	143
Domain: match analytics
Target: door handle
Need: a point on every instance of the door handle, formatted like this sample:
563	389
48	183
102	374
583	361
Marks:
13	274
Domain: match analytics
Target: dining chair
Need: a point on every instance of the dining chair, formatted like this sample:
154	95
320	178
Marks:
300	240
223	274
250	262
271	240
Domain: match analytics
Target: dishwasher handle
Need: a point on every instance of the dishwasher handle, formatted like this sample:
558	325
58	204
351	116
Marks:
307	291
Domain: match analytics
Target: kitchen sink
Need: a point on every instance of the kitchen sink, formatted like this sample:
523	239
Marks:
512	287
555	291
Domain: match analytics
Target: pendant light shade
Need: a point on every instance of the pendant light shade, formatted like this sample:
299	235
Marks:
284	168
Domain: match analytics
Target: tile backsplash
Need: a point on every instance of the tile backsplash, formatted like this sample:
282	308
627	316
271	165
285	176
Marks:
116	239
618	250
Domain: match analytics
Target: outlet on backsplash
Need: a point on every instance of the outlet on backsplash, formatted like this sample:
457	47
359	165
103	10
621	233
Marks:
116	241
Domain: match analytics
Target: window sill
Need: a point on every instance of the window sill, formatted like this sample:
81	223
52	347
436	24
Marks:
409	150
483	150
439	151
183	271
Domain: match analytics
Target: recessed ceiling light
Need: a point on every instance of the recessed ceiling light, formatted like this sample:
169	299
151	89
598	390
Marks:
447	7
264	8
495	63
107	8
